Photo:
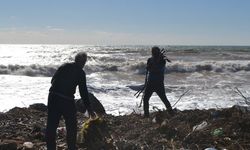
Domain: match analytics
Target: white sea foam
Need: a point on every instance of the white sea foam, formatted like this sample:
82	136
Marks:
22	91
211	73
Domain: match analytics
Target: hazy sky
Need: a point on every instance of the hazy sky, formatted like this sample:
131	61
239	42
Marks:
108	22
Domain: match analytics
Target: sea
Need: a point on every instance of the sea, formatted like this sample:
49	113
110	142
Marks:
199	77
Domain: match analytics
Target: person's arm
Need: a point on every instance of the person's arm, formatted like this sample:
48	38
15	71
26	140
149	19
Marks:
162	63
148	65
84	93
56	74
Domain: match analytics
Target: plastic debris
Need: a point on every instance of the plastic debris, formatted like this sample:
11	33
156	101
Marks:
61	131
217	132
200	126
210	148
28	145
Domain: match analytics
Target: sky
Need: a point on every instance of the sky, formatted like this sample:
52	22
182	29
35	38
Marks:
125	22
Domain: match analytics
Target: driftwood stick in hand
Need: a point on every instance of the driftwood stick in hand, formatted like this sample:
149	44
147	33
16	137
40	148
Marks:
163	52
143	89
138	92
141	102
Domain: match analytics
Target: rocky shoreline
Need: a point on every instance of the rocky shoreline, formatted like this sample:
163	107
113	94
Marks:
228	128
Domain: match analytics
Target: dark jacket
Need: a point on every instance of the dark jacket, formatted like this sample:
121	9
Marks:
65	80
156	70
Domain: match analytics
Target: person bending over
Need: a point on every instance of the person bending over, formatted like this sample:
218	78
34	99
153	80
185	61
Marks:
61	100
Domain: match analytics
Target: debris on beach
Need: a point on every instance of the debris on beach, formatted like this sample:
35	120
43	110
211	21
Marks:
228	128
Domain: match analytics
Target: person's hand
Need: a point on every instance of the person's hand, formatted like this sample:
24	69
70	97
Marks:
168	60
92	114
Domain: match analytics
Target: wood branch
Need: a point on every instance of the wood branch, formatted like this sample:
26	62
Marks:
181	97
247	101
240	93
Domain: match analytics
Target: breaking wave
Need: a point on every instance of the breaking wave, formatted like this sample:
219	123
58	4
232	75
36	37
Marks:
32	70
137	68
197	67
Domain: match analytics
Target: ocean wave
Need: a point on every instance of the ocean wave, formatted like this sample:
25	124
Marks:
137	68
215	67
105	59
184	67
100	68
31	70
48	71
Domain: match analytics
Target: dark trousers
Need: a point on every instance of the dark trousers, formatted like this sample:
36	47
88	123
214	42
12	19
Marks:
58	107
160	91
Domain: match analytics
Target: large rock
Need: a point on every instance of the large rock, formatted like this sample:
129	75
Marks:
39	107
94	102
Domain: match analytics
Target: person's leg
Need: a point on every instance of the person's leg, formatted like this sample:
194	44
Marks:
161	93
148	93
69	115
52	122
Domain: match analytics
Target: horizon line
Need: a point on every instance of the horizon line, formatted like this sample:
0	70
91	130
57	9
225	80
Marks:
126	44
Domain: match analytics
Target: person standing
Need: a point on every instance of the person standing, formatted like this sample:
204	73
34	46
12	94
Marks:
155	80
61	100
